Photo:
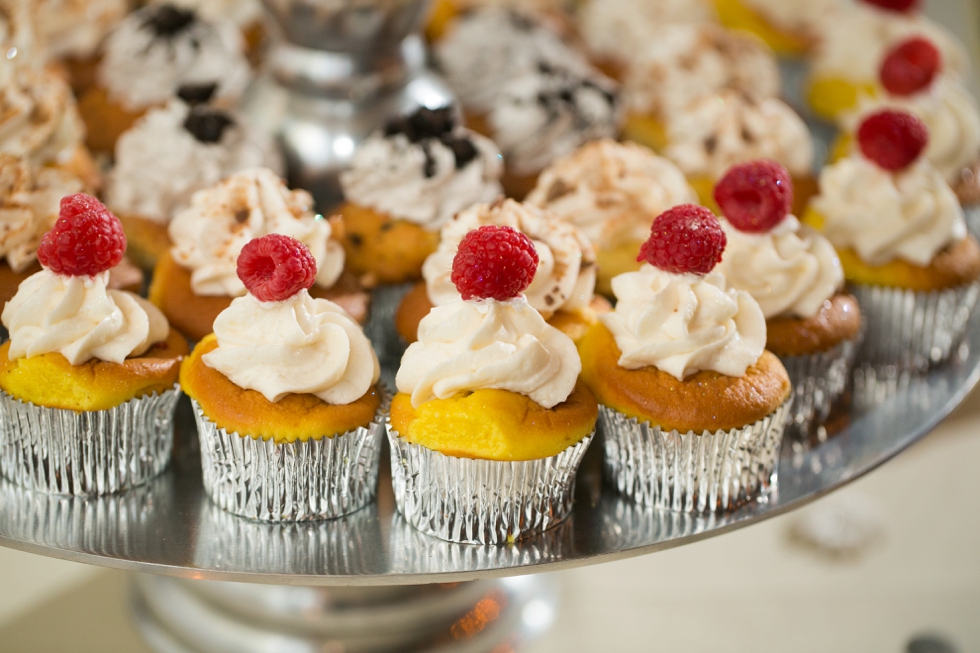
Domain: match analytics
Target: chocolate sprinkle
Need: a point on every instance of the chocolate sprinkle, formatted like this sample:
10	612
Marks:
206	125
194	94
426	125
168	21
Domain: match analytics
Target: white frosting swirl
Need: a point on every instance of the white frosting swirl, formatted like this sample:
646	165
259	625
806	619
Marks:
688	62
81	319
618	29
389	174
75	28
716	132
18	40
141	68
477	345
549	112
298	346
909	215
565	278
209	235
806	17
29	204
612	191
790	271
160	164
684	323
243	13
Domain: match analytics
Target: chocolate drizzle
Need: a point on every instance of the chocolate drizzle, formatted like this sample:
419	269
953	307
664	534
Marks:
168	21
194	94
207	125
427	125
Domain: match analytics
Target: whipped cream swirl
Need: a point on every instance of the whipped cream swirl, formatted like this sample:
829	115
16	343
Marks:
717	132
790	271
81	319
910	215
17	33
566	274
209	235
75	28
684	323
298	346
161	162
618	29
158	49
612	191
465	346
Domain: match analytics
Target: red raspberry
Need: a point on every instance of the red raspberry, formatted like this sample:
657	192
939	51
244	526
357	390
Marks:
276	267
910	66
87	238
892	139
901	6
685	239
494	263
755	196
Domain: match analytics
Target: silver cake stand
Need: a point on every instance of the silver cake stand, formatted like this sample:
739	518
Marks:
211	582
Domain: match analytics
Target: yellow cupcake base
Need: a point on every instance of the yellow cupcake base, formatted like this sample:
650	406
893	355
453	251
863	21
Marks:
736	15
830	97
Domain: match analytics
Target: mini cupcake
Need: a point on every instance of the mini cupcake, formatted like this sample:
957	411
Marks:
688	62
197	279
612	192
854	43
285	395
490	423
900	234
691	405
148	57
89	374
247	15
719	131
563	290
795	276
171	153
789	28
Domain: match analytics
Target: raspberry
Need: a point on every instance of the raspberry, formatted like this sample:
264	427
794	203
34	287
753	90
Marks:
901	6
87	238
276	267
686	238
494	263
892	139
910	66
755	196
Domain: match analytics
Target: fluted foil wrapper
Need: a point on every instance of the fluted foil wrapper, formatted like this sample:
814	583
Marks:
482	501
913	330
818	381
691	472
86	453
288	482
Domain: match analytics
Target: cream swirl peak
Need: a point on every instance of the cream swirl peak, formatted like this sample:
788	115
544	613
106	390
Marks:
687	62
684	323
719	131
547	113
612	191
424	168
81	319
75	28
156	50
209	235
566	272
29	204
790	271
465	346
176	150
909	215
301	345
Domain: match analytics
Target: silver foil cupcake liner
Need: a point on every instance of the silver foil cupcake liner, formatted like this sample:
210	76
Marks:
818	381
691	472
472	501
295	481
86	453
380	328
912	330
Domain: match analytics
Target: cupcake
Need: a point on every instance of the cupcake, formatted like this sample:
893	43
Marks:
563	289
612	192
691	405
285	395
789	28
899	231
171	153
197	278
148	57
794	275
688	62
247	15
89	374
719	131
490	423
854	43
